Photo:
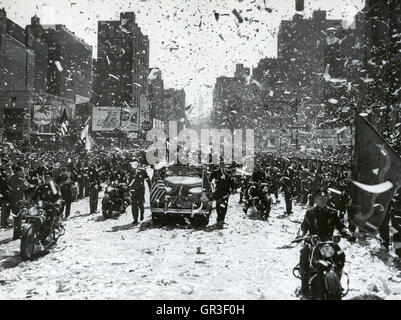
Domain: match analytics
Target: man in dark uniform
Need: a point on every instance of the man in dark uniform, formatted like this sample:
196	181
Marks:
80	179
5	191
320	221
65	183
85	175
93	183
18	185
136	185
287	189
224	183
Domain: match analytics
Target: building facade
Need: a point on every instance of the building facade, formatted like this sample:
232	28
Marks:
174	106
44	70
122	67
156	96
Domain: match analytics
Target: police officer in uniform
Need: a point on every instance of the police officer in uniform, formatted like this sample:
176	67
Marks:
321	221
5	191
224	184
94	187
136	185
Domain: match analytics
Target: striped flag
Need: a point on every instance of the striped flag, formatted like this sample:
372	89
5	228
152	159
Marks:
158	188
63	123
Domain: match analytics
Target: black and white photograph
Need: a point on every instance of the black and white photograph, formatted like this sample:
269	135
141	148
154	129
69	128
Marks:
200	150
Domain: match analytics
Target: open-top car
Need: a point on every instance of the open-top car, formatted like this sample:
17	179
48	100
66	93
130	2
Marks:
181	191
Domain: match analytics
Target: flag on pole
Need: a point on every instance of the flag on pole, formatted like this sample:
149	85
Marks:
376	174
63	123
85	138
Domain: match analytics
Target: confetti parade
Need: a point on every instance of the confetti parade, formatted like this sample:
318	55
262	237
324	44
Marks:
200	150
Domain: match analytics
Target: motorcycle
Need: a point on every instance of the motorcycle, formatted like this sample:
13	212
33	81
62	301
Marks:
324	276
35	229
115	200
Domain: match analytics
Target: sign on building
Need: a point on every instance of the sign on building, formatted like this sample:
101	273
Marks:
42	114
105	118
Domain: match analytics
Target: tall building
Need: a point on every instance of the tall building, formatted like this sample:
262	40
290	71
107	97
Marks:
287	92
69	61
156	96
174	106
44	70
17	58
301	45
123	65
237	104
378	29
17	61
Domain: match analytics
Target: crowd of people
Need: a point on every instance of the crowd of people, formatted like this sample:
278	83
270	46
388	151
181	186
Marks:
77	174
63	176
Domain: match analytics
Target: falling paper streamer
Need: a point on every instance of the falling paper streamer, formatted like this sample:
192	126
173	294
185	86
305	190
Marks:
236	13
334	191
243	172
341	130
53	187
333	101
113	76
58	65
376	188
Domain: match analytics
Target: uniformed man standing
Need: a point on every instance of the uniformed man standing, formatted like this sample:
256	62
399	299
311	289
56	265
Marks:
224	183
287	188
136	185
94	187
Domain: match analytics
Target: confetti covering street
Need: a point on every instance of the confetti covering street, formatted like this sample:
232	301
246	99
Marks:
200	150
246	260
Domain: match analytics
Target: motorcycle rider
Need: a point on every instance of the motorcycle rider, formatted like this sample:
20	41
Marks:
321	221
50	193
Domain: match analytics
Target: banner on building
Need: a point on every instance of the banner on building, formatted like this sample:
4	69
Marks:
105	118
130	119
42	114
375	165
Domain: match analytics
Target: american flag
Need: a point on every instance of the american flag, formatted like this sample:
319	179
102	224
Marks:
158	188
63	123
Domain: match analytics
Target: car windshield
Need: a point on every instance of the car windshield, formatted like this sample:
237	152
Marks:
183	171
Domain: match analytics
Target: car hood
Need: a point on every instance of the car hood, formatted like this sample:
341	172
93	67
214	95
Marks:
183	181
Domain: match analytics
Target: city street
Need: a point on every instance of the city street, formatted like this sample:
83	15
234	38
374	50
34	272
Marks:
248	259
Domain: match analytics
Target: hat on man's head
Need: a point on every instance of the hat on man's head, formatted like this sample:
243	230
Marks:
321	192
